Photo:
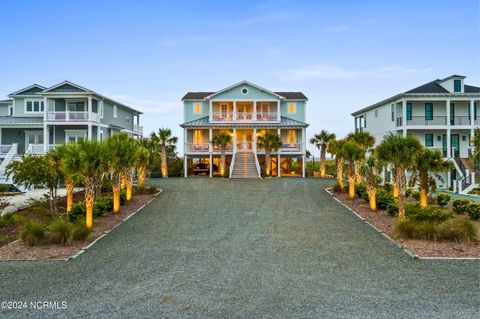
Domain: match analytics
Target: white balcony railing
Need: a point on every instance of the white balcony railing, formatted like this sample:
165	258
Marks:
267	116
138	129
228	148
198	147
37	149
244	116
70	116
223	116
4	149
291	147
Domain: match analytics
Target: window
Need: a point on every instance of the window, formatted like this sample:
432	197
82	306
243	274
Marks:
197	136
244	91
34	106
409	111
75	136
292	108
392	110
376	113
128	119
429	140
197	108
10	110
428	111
115	111
101	109
457	85
292	137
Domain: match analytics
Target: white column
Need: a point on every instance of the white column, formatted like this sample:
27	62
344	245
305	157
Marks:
404	116
254	140
89	132
210	147
278	165
303	141
472	113
234	140
210	110
449	143
45	108
89	109
46	138
278	111
211	165
255	110
234	117
184	165
303	166
98	133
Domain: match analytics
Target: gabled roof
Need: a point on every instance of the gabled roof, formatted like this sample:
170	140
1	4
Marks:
284	122
66	86
281	95
430	87
470	89
29	90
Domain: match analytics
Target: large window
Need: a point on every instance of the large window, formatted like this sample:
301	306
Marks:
292	108
115	111
292	137
392	110
429	140
457	85
75	136
428	111
409	111
34	106
197	108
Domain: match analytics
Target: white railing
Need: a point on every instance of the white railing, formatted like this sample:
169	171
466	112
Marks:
8	158
71	116
138	128
291	147
222	116
267	116
257	164
244	116
232	163
4	149
228	148
198	147
244	146
35	149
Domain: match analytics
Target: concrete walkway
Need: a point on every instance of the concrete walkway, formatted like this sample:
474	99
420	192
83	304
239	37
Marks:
278	248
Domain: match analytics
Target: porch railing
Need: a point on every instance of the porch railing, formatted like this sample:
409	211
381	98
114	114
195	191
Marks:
4	149
267	116
223	116
291	147
460	120
138	128
70	116
244	116
228	148
244	146
198	147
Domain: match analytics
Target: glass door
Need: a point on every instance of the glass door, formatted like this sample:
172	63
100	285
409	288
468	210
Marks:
75	136
33	137
455	140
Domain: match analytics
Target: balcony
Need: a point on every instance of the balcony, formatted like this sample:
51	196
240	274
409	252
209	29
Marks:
197	147
71	116
244	116
435	120
138	129
291	147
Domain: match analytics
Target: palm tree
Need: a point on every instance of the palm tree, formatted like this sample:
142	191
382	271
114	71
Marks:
335	148
429	162
86	160
321	141
401	153
164	140
142	161
352	153
366	141
222	139
269	141
371	170
69	177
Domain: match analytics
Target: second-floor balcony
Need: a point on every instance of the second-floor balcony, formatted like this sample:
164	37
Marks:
245	116
434	121
72	116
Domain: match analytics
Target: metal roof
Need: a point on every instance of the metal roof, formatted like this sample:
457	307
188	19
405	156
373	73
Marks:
203	122
20	120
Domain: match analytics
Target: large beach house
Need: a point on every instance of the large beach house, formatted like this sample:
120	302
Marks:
442	114
245	111
36	119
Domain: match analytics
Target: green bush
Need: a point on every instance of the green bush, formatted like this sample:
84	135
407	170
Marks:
431	214
457	229
102	206
123	197
443	199
388	187
408	192
460	205
59	231
336	188
384	198
361	191
78	211
80	230
392	209
33	233
416	195
473	210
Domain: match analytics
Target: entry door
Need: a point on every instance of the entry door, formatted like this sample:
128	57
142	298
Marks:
455	145
33	137
75	136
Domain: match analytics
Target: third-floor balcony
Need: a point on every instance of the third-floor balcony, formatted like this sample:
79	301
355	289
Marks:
245	116
72	116
435	121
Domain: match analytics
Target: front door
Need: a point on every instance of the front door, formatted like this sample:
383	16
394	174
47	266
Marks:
454	143
75	136
33	137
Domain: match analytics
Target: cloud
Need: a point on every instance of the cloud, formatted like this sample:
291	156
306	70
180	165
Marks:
171	42
327	71
272	17
148	105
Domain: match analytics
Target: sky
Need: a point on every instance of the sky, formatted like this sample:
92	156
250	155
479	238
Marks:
344	55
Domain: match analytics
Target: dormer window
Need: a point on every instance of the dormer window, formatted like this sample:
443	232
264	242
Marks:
457	85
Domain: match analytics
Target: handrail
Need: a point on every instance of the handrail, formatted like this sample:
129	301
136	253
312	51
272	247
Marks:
4	149
231	165
257	164
8	158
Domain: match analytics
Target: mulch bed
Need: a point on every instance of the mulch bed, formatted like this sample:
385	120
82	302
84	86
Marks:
17	250
423	248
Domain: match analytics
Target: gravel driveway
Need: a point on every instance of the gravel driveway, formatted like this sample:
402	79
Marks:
278	248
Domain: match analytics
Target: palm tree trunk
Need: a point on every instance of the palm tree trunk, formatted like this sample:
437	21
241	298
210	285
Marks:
128	183
401	184
351	181
89	199
69	186
164	168
222	160
340	172
395	186
372	197
322	161
423	190
268	163
142	172
116	197
358	176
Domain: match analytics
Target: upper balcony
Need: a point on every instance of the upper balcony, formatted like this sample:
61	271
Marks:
436	121
73	110
245	111
72	116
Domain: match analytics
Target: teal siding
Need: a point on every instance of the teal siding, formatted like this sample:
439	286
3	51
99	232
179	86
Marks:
120	120
299	115
16	135
253	94
188	110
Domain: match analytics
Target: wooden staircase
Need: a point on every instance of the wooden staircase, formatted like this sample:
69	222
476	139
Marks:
244	166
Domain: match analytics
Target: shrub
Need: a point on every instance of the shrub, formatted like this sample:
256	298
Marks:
416	195
59	231
102	205
123	197
33	233
457	229
384	198
473	210
430	214
408	192
392	209
443	199
460	205
78	211
361	191
336	188
4	188
388	187
80	231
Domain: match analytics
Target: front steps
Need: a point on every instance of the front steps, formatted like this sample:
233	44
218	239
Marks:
245	166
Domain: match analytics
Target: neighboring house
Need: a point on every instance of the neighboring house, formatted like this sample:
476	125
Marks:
36	119
442	114
245	111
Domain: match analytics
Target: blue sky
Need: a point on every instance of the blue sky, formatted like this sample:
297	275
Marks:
343	55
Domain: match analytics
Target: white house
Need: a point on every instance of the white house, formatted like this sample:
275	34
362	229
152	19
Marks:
442	114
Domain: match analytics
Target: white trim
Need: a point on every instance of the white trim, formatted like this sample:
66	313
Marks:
28	88
27	132
248	83
74	131
69	83
33	100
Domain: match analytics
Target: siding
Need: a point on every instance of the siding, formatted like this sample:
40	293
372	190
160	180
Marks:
299	115
188	110
16	135
120	120
253	94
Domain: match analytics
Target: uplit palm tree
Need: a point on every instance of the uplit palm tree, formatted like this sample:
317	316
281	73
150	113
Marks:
164	140
366	141
270	142
401	153
321	141
352	153
70	177
371	170
222	139
142	160
426	167
335	148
